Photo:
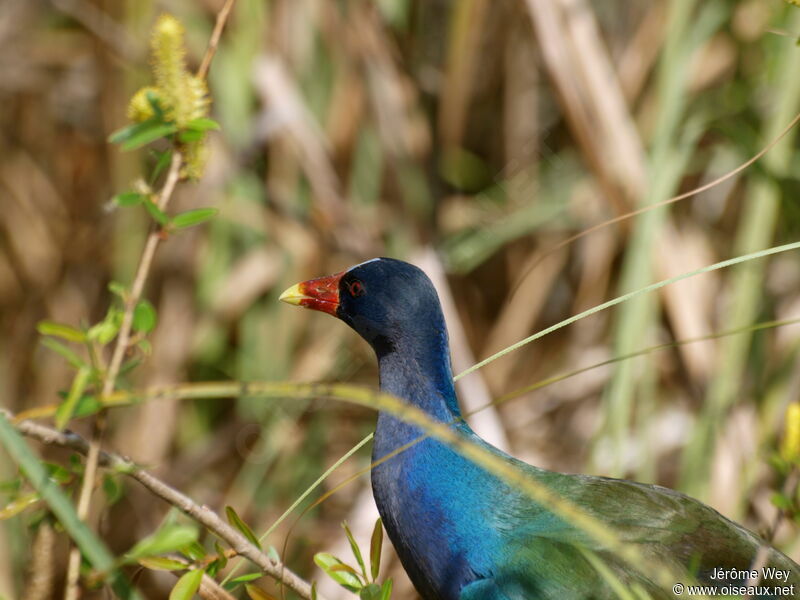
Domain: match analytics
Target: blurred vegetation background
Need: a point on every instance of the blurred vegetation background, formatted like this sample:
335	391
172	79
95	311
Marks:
467	136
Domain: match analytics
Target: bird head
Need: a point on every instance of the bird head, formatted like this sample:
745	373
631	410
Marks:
386	301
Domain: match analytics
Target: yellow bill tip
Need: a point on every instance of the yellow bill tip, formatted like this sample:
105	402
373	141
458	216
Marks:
292	295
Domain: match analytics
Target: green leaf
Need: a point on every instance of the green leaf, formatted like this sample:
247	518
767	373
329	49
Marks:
256	593
346	568
57	473
370	592
107	329
193	217
144	317
88	405
161	563
195	551
159	216
341	573
202	124
191	135
66	409
142	138
70	356
20	504
218	563
152	100
242	579
128	198
187	585
141	134
215	566
60	330
118	289
163	160
125	133
356	550
103	332
314	590
237	522
386	590
169	538
145	346
112	488
375	546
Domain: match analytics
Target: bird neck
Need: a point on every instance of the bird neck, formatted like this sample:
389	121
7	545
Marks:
420	484
418	371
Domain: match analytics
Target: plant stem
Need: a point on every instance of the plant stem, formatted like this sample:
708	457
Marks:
222	18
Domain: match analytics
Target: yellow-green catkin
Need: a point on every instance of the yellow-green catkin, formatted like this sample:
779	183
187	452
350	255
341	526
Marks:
140	108
169	69
790	445
199	98
182	96
195	155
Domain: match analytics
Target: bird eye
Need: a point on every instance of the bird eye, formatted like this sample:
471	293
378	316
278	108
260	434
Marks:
356	288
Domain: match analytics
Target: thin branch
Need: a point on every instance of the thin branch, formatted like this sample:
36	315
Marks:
202	514
222	18
211	590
